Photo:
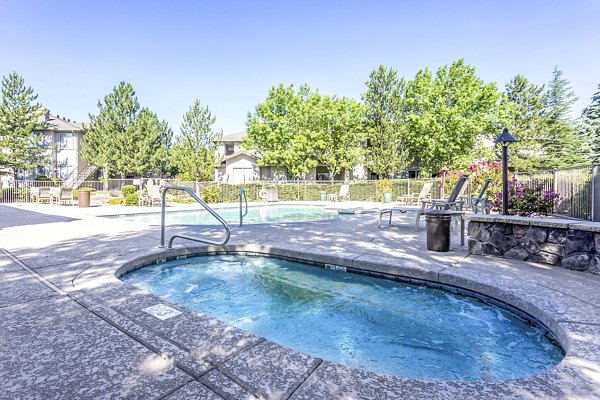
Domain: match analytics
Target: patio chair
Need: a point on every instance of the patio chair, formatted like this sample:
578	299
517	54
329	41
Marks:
452	203
410	198
34	194
152	195
66	195
342	195
54	195
43	195
481	203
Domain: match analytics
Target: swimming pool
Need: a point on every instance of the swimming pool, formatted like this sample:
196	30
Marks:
363	322
256	215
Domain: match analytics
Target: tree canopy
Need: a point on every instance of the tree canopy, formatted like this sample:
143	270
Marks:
389	150
21	149
124	140
193	153
448	113
539	118
303	129
590	125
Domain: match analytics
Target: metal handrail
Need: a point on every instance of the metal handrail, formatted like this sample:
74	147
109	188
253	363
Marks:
203	204
243	192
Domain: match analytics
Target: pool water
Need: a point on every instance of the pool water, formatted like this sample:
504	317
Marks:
256	215
369	323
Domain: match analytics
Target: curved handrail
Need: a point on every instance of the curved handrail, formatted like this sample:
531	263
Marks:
243	192
203	204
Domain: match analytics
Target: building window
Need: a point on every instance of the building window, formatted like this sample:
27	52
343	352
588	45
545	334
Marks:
229	149
65	141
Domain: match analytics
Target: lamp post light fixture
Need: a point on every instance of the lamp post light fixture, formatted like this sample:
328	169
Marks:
505	138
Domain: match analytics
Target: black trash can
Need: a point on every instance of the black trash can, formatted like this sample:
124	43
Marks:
437	223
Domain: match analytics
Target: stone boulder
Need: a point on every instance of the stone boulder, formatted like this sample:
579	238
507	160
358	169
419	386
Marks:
537	233
578	261
579	241
517	253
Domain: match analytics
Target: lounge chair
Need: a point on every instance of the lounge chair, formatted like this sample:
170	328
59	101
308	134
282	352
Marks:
410	198
452	203
342	195
481	203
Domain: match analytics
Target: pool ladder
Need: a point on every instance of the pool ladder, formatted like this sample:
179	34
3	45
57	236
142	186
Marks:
206	207
242	215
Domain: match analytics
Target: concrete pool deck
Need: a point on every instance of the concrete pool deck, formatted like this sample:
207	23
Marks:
71	329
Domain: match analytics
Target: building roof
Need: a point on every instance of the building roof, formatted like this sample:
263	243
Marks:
234	137
60	124
240	153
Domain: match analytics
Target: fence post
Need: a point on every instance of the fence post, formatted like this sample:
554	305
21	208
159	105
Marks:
555	190
596	193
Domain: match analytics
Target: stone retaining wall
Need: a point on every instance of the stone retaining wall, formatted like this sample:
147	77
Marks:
566	243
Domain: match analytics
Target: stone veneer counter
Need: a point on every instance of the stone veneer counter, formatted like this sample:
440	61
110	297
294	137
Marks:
562	242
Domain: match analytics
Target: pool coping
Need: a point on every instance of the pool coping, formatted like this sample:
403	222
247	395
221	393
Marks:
575	327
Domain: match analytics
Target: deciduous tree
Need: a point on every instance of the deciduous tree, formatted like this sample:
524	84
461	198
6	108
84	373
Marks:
447	114
389	148
279	130
339	123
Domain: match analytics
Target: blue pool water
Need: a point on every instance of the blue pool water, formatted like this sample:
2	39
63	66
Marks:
364	322
256	215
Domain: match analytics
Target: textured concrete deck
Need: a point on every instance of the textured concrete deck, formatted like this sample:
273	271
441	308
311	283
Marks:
71	329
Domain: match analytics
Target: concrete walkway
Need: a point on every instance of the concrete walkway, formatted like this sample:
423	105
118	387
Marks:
71	329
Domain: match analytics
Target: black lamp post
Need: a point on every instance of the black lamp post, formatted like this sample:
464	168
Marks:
505	138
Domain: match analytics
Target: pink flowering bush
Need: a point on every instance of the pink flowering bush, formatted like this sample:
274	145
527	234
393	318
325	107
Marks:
526	201
479	172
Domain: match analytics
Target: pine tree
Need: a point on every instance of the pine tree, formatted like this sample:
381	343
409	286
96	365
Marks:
149	144
109	134
20	148
523	105
193	153
590	125
563	147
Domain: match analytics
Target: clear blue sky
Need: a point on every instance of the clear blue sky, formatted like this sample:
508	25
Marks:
229	53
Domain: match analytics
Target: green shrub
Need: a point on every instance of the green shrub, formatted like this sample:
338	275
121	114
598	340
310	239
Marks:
126	190
362	191
42	178
211	194
115	201
132	199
